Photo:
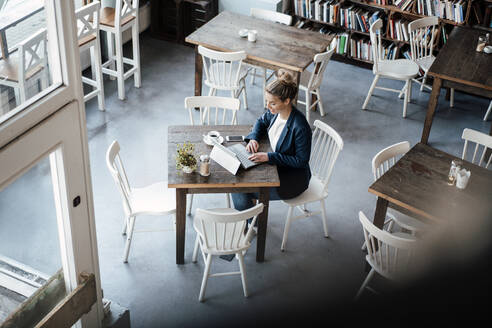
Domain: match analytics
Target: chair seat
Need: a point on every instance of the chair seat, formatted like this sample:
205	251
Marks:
313	193
86	39
9	69
408	222
107	17
209	227
425	63
403	69
156	198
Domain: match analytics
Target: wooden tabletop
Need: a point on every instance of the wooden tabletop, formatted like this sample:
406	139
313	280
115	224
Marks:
276	44
263	175
418	183
458	61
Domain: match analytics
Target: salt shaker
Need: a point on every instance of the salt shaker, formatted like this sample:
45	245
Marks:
204	165
453	171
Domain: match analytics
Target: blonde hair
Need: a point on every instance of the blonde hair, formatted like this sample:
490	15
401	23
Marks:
284	87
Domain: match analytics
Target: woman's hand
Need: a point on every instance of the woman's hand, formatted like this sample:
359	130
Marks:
259	157
252	146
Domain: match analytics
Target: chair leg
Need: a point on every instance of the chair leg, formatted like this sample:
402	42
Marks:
96	53
324	219
320	103
264	86
206	272
371	90
405	101
17	97
451	98
253	76
243	273
422	85
125	225
190	202
22	92
287	227
488	111
137	76
119	67
110	40
129	236
228	200
195	250
409	91
308	105
364	284
245	97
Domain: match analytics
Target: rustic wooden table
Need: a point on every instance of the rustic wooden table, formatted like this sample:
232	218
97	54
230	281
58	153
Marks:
418	183
257	179
459	66
277	46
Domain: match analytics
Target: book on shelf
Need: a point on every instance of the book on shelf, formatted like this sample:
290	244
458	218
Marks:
398	29
340	42
453	10
321	10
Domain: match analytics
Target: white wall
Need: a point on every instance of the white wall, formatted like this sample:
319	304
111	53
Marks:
244	6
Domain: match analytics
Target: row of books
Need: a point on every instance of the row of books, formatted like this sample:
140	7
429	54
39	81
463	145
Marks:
340	42
357	18
453	10
321	10
398	29
403	4
363	49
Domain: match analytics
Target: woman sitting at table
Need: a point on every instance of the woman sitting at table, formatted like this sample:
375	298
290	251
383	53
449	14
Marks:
290	138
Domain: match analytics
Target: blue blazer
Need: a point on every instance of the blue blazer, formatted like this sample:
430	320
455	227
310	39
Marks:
292	152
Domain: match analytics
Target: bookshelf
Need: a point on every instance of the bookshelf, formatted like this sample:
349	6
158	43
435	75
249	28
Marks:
350	20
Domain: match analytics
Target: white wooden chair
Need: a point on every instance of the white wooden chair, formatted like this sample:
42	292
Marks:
489	110
155	199
114	21
311	82
389	254
224	71
88	37
206	104
271	16
381	163
28	62
481	140
326	146
222	232
398	69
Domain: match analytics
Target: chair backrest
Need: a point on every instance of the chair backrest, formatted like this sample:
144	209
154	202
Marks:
208	103
320	62
272	16
326	146
88	20
375	34
481	139
422	36
222	69
389	254
387	157
117	170
226	230
33	53
124	9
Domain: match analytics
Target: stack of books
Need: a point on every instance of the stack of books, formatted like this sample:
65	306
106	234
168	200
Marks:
449	9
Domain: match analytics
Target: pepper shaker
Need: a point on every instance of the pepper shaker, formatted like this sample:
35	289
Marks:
204	165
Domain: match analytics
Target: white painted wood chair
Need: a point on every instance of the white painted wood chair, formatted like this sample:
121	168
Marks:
88	37
481	140
114	21
155	199
389	254
326	145
310	82
381	163
28	62
206	104
221	231
225	71
398	69
271	16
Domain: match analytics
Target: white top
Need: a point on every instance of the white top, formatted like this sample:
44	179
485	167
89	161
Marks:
275	131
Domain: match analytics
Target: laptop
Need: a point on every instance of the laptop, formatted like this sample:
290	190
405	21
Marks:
231	157
242	155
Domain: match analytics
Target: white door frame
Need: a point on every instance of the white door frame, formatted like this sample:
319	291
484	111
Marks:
38	128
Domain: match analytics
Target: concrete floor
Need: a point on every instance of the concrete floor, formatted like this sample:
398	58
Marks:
314	272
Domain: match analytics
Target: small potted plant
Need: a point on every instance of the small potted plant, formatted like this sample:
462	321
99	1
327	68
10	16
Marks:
185	160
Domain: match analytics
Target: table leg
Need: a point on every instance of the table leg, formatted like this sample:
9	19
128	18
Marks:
431	108
379	218
180	224
3	45
198	72
262	224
